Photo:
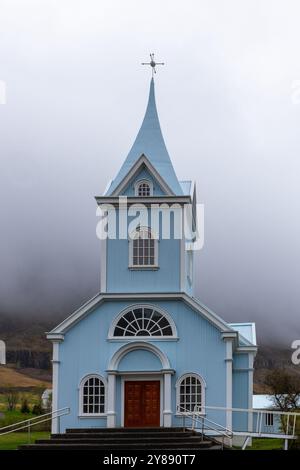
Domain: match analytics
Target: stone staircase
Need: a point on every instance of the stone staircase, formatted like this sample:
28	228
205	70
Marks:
127	439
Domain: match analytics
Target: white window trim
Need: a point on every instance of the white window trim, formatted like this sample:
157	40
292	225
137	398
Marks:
143	267
203	390
81	414
138	183
148	338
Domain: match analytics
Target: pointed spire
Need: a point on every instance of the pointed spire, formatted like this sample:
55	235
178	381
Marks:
150	142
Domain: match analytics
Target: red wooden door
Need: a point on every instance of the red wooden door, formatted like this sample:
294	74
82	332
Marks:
142	404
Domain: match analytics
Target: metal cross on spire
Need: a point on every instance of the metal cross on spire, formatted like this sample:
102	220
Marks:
153	64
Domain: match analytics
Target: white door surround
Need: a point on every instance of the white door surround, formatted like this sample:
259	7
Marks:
164	376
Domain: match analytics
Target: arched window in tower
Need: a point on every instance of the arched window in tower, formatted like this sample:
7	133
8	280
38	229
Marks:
143	249
144	188
143	321
190	393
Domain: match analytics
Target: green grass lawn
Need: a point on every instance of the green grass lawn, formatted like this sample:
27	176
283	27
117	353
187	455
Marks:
266	444
12	417
15	439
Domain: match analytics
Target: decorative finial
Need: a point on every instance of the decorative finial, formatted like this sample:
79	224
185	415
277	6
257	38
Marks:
153	64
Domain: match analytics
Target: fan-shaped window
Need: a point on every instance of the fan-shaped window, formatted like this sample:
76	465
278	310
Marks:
143	249
92	395
143	321
144	188
190	393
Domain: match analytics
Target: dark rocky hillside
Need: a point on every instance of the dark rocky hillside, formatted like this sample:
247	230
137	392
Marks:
26	343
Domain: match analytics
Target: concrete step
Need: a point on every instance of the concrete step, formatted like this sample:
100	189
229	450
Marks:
125	440
123	430
122	435
120	446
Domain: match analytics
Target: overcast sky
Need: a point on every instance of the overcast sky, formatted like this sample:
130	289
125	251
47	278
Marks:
229	105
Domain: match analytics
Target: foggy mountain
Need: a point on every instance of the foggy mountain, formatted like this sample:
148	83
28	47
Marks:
75	98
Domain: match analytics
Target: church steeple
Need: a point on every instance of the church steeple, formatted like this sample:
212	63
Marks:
150	142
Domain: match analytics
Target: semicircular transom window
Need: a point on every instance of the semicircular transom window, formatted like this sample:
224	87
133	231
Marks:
143	321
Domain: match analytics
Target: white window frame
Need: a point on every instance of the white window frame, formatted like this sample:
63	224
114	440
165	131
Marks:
149	338
143	181
81	414
203	387
141	267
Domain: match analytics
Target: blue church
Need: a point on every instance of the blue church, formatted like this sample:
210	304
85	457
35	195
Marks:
144	352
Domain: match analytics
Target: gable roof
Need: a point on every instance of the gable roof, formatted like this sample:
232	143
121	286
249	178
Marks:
143	161
149	142
226	329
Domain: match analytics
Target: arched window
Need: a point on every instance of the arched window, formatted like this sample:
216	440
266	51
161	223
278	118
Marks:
143	321
190	397
143	249
144	188
92	395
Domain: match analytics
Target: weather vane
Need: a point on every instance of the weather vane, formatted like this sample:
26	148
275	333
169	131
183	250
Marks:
153	64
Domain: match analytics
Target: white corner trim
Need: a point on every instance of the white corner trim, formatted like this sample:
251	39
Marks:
228	362
182	258
250	390
55	337
103	265
246	349
111	400
55	387
253	327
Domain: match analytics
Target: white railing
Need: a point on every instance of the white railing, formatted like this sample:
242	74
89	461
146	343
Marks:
206	425
279	424
284	422
29	423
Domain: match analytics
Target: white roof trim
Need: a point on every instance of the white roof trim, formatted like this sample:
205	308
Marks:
143	160
99	298
74	317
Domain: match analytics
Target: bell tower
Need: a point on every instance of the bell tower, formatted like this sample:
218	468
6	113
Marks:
145	209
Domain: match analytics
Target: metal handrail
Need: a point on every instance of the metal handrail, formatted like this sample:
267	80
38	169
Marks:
27	423
212	426
252	410
290	425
